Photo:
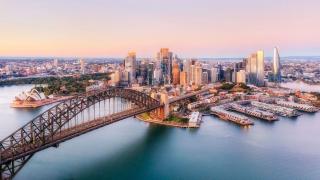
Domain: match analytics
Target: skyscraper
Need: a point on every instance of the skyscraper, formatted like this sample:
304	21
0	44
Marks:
204	78
187	68
192	74
115	78
214	75
150	74
176	74
228	75
276	66
255	68
183	78
130	66
260	68
241	76
165	58
220	73
198	74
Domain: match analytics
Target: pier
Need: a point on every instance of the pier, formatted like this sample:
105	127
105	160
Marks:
300	107
253	112
279	110
194	119
230	116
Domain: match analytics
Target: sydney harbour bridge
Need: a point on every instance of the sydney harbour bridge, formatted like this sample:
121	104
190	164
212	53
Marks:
74	117
69	119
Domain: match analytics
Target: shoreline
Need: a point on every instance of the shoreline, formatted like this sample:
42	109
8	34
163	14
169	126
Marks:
165	123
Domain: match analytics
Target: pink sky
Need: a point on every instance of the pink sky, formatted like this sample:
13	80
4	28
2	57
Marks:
202	28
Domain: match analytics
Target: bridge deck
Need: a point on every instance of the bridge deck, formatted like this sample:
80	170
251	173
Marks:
175	99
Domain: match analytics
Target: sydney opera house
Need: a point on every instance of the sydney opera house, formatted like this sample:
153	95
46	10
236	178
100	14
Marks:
34	99
32	95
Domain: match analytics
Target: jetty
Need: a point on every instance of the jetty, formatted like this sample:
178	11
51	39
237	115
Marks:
230	116
253	112
300	107
279	110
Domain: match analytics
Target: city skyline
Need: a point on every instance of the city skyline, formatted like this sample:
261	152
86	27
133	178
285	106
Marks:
111	29
159	89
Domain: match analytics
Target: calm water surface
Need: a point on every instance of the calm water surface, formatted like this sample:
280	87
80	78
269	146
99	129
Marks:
299	85
130	149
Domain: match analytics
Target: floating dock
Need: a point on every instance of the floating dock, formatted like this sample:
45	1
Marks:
282	111
300	107
230	116
253	112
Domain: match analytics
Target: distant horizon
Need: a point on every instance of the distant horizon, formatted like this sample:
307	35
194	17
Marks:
109	57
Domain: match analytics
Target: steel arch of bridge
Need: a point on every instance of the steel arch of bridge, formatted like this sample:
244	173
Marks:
47	129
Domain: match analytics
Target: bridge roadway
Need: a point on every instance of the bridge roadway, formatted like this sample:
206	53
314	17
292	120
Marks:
28	149
175	99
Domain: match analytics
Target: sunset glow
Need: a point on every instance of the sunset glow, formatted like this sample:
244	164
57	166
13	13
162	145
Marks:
204	28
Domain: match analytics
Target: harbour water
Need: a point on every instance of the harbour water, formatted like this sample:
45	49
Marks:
301	86
131	149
